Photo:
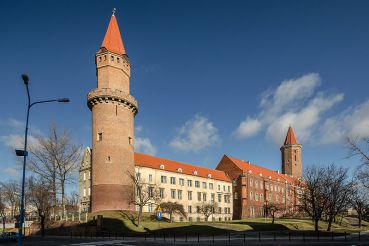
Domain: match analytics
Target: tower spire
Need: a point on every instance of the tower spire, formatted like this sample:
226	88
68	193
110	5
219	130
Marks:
290	138
113	40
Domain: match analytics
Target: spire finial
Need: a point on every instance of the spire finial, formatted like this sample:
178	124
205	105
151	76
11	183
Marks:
113	13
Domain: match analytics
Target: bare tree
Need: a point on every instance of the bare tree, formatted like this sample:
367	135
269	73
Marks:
55	158
173	208
145	194
11	195
360	148
312	198
2	208
337	189
208	209
359	201
40	197
273	209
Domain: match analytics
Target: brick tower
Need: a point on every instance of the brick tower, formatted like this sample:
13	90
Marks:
113	111
291	155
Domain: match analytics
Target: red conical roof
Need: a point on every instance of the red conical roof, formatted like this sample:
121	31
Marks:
290	138
113	40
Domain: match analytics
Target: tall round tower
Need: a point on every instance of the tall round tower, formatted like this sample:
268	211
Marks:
113	111
291	155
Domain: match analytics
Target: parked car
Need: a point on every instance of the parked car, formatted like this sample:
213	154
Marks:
8	237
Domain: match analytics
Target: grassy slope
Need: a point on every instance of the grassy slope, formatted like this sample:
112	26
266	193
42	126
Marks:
115	222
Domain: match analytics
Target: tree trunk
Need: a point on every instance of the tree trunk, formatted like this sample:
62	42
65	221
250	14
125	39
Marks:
171	217
4	223
139	216
42	225
316	224
330	220
273	220
359	217
62	183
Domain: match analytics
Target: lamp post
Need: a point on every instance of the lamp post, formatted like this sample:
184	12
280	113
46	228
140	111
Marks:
24	152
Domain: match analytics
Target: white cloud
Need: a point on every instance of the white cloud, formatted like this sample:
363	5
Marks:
144	145
196	134
16	141
248	128
353	122
10	171
294	102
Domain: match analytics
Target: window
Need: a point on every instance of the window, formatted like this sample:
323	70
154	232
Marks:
181	182
190	219
99	136
204	185
151	207
150	177
179	194
219	197
173	193
84	176
267	186
89	175
219	210
162	167
84	191
138	176
224	188
179	170
189	182
130	140
189	195
199	196
118	59
89	191
197	184
251	195
219	187
163	179
234	182
235	195
210	186
212	197
269	197
257	196
251	183
151	191
261	184
261	197
256	184
204	197
198	209
229	188
189	210
112	58
172	180
162	192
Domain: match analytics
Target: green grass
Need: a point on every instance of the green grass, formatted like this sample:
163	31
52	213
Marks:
115	222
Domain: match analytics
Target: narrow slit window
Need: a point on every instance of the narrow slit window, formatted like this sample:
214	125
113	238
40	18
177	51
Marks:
99	136
116	110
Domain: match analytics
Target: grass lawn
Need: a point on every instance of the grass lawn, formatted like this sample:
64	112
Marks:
116	222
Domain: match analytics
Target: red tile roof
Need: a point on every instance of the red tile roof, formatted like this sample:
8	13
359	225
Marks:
113	40
290	138
257	170
143	160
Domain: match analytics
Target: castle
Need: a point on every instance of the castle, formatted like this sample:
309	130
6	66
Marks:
240	189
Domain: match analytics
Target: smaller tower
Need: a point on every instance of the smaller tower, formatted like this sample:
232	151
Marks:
291	155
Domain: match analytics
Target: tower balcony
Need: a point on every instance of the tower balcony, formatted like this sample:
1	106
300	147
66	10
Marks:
106	95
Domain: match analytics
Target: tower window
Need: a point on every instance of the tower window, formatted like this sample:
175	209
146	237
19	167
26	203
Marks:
109	159
99	136
104	57
99	58
112	58
116	110
118	59
130	140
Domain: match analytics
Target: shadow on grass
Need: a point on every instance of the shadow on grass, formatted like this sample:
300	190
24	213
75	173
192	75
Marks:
258	226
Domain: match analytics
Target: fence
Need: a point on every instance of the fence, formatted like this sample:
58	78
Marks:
238	238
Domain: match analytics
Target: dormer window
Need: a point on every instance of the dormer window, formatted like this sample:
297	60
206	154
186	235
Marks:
209	175
162	167
270	177
195	172
250	171
179	170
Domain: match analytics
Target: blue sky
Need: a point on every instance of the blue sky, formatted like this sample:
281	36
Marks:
211	77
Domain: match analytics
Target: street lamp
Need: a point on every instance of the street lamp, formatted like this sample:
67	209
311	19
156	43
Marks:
24	152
